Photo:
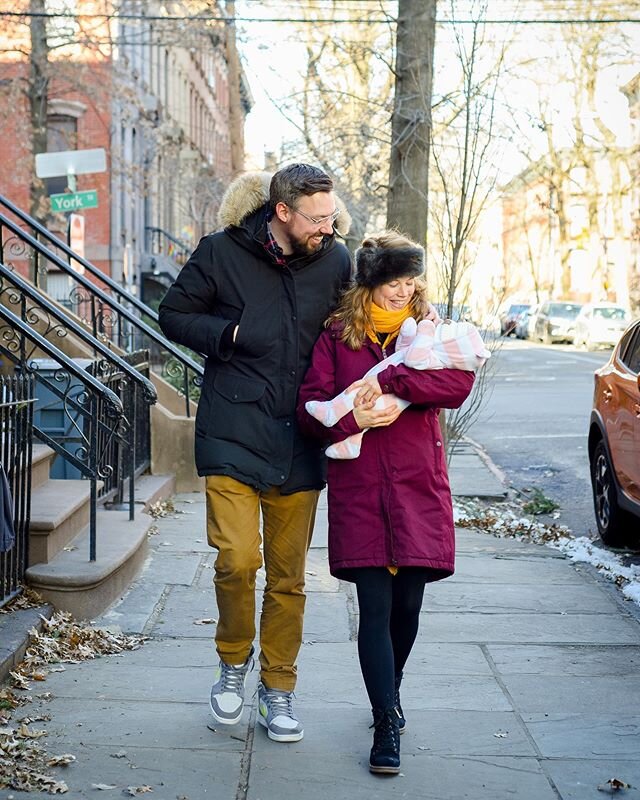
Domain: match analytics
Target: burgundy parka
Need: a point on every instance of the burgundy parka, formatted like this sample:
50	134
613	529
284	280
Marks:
391	506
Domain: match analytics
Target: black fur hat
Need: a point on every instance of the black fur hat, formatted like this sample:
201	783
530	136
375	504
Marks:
378	265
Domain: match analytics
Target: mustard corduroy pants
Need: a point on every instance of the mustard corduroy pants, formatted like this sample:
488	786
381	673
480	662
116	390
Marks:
233	528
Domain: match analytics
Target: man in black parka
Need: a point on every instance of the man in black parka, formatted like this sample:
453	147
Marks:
252	299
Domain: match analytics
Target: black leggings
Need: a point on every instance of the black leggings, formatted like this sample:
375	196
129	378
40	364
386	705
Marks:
389	617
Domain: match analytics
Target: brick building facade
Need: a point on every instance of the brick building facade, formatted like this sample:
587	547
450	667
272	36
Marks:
155	94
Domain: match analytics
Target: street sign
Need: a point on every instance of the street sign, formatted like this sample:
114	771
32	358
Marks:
74	201
70	162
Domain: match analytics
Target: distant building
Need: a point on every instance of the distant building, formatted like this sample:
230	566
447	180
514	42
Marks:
156	95
567	229
631	90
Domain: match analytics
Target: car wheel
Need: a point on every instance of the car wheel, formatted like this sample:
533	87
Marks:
614	524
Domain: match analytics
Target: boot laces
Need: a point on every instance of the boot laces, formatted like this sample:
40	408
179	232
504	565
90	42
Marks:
386	733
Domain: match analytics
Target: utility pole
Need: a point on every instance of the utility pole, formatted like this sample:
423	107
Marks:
38	83
236	117
411	121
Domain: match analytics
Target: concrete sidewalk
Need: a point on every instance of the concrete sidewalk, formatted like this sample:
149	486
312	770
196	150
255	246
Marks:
524	683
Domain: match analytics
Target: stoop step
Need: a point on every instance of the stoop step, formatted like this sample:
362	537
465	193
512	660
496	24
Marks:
86	588
42	459
59	511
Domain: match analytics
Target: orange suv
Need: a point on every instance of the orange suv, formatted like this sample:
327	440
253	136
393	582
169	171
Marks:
614	443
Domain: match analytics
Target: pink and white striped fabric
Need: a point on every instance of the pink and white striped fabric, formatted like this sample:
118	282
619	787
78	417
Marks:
423	345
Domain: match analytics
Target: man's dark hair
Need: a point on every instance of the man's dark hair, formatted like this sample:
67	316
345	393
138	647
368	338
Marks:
292	182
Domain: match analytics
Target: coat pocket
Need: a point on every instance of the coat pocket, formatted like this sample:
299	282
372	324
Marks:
239	389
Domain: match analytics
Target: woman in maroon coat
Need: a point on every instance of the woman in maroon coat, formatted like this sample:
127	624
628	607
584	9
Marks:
390	513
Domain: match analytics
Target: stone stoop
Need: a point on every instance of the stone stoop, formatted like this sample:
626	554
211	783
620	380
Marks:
59	511
70	582
59	566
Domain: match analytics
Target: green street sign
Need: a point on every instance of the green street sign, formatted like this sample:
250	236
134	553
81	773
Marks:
74	201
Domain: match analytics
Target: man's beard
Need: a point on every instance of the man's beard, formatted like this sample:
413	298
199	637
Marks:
306	247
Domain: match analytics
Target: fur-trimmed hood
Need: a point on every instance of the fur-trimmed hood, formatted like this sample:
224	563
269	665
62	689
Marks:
250	191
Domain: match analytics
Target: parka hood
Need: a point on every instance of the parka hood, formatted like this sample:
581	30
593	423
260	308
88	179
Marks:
249	192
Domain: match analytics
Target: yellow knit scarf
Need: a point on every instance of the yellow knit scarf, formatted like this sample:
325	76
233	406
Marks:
388	322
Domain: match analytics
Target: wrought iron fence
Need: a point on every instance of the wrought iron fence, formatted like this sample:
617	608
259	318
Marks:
16	441
93	415
110	312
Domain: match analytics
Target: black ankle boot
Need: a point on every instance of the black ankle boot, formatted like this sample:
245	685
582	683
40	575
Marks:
385	753
402	722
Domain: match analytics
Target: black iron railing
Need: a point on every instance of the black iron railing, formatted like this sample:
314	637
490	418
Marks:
111	313
94	415
160	242
16	440
133	459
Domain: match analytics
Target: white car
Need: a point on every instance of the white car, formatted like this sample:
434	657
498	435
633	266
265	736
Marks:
600	325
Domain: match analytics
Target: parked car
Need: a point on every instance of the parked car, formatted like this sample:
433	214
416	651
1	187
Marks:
522	325
525	322
600	324
614	443
556	321
509	318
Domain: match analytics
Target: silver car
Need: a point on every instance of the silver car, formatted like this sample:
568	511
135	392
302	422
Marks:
600	325
556	321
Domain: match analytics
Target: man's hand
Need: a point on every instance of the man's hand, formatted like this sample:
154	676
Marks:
376	417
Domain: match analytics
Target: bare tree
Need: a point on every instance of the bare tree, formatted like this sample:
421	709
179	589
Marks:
465	157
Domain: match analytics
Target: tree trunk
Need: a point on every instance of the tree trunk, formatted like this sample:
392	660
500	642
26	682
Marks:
38	97
236	117
411	121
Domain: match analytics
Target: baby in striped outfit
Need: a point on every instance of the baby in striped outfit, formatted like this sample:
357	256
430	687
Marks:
422	345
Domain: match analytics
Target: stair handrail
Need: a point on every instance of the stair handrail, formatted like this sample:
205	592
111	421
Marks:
148	389
97	273
67	363
183	247
94	290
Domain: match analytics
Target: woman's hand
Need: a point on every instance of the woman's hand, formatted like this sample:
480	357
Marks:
368	392
376	417
432	314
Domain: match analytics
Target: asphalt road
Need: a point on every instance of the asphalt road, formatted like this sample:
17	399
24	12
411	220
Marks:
535	422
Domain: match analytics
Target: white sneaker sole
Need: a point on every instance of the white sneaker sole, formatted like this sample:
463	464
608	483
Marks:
279	737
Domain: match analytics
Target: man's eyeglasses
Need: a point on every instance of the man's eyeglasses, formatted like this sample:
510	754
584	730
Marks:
319	220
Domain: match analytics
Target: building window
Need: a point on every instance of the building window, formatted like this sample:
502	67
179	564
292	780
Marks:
62	134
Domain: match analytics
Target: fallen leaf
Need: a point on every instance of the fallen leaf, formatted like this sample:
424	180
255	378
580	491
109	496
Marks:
134	790
205	621
25	733
61	761
103	786
501	734
614	785
119	754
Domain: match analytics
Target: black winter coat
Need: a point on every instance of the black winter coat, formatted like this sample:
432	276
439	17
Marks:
246	422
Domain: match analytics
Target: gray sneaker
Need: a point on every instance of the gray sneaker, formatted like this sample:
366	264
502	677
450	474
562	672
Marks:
275	712
227	693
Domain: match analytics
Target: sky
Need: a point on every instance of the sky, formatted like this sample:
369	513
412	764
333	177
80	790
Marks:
273	56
